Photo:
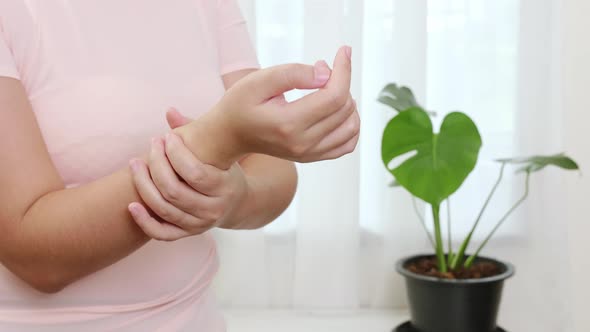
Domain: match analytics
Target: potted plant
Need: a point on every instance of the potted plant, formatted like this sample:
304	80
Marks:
450	290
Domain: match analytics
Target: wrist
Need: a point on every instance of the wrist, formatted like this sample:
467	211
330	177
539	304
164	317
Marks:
211	139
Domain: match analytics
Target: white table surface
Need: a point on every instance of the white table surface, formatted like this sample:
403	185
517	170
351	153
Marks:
247	320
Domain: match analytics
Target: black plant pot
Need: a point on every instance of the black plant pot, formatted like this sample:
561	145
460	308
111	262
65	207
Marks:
442	305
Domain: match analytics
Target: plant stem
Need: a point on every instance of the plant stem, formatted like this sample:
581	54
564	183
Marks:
449	237
459	256
440	255
423	222
470	260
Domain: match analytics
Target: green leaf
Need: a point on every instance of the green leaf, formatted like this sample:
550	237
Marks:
398	98
394	183
441	162
537	163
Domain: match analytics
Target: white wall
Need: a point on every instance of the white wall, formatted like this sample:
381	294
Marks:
576	103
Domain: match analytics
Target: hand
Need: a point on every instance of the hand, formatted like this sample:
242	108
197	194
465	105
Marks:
252	117
203	198
322	125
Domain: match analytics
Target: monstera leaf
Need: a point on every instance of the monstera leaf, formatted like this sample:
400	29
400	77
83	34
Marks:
398	98
537	163
394	184
441	161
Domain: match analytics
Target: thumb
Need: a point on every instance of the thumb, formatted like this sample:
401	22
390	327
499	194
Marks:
274	81
175	119
341	75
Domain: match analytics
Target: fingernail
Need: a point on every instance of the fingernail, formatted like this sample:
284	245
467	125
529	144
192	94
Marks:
156	142
348	51
321	72
133	208
134	165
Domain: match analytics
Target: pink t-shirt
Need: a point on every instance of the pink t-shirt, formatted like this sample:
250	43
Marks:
100	75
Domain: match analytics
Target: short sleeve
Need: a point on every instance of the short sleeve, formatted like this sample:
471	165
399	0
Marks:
7	64
235	48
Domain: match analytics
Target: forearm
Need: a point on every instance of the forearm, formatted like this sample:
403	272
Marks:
272	183
70	233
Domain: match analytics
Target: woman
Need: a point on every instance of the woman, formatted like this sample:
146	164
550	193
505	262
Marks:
82	89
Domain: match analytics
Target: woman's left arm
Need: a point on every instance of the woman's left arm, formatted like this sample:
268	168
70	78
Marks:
271	186
271	181
249	195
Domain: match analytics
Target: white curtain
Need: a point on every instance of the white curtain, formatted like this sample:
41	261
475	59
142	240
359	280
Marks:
335	248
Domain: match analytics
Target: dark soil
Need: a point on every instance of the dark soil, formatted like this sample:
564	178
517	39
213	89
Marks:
429	267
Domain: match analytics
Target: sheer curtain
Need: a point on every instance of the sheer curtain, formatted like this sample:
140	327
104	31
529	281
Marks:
336	246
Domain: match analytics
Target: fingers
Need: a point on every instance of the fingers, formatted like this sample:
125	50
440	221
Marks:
170	187
342	150
277	80
321	74
201	177
152	198
161	231
322	103
341	74
349	129
326	135
176	119
321	129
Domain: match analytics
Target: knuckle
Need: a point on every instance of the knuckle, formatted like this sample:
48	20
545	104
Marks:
215	213
286	76
298	150
195	175
350	147
165	214
171	148
354	127
171	192
349	104
338	98
208	224
286	130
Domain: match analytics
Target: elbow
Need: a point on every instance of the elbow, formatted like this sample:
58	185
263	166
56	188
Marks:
35	267
48	283
47	280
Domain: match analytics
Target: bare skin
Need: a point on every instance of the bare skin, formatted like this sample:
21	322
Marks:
51	236
189	196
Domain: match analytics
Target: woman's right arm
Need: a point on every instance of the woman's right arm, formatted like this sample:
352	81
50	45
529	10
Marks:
49	235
